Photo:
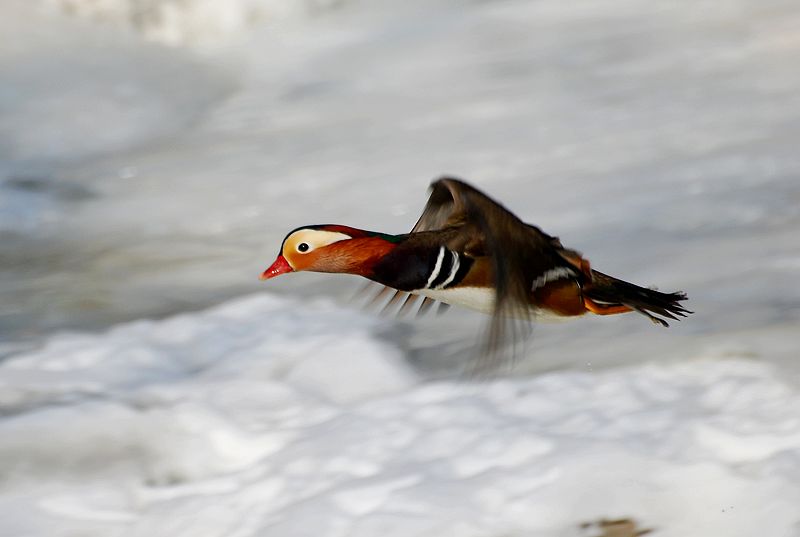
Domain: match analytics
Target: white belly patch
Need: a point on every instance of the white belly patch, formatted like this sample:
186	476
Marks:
474	298
479	299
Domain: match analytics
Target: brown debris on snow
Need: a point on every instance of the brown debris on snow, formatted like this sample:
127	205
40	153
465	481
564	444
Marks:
622	527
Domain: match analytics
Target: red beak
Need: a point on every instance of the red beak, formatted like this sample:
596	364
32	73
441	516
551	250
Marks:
280	266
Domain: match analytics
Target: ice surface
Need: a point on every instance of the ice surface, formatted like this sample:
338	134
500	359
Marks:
141	182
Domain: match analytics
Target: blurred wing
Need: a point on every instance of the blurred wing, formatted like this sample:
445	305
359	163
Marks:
399	303
440	207
519	253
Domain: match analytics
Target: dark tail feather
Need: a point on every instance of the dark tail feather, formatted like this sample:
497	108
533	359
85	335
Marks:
608	290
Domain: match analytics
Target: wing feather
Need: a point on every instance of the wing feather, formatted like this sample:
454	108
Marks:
518	252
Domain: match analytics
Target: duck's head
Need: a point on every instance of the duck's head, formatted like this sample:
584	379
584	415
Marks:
305	249
327	248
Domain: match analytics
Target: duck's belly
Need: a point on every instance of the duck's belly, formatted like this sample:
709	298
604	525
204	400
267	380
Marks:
480	299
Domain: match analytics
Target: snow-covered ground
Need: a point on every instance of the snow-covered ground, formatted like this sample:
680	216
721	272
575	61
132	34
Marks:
154	154
268	417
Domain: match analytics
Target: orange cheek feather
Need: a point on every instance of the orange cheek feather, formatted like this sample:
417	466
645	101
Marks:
355	256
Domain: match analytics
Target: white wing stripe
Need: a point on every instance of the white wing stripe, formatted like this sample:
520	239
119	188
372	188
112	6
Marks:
436	268
550	275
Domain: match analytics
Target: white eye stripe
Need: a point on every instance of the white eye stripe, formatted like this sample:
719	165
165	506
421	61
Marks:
313	239
436	268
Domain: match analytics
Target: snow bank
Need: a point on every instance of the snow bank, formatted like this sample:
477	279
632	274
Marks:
268	417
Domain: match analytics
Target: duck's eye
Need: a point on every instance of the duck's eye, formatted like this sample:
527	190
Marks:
302	247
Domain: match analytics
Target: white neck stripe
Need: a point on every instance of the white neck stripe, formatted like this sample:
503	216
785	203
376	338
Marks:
453	271
437	267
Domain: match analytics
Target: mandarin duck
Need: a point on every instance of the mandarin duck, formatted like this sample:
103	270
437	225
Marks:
468	250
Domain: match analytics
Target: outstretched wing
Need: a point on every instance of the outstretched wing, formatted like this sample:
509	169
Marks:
441	207
518	253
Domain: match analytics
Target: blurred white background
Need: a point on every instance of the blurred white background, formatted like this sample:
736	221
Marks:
154	153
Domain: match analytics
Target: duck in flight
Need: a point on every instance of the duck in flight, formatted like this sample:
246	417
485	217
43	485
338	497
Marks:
468	250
